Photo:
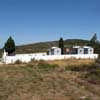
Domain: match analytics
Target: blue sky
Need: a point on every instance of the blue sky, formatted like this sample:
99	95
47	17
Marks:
29	21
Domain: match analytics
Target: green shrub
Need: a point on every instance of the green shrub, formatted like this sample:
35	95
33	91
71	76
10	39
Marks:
33	61
46	67
82	67
93	75
98	60
18	62
10	46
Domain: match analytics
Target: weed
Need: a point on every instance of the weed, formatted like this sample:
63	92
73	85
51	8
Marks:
18	62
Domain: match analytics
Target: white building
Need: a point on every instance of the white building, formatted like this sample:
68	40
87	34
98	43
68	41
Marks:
54	51
84	49
71	50
77	52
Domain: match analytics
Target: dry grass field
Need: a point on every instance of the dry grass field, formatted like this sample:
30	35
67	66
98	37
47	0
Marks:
53	80
72	62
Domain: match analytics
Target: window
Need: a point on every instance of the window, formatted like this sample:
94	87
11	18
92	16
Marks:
52	51
85	50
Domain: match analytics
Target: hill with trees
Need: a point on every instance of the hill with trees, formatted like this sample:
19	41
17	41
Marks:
44	46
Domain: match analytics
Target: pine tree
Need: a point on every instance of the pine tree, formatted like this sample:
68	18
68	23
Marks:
61	45
95	44
94	39
10	46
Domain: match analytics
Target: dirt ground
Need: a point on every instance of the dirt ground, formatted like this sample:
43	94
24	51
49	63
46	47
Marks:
50	81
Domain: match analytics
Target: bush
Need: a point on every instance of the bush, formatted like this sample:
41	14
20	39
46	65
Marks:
10	46
82	67
18	62
33	61
93	76
46	67
98	60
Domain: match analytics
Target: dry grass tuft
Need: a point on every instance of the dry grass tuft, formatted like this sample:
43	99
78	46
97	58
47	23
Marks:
51	80
72	62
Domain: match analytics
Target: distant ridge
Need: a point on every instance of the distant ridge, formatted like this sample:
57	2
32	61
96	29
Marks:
44	46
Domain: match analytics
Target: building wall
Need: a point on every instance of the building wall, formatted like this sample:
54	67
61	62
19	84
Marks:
90	50
74	50
55	51
56	56
28	57
22	57
80	50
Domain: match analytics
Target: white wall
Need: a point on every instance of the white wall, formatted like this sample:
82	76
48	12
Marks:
80	50
43	56
56	51
90	50
22	57
59	57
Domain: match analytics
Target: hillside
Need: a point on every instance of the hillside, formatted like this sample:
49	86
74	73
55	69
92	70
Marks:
44	46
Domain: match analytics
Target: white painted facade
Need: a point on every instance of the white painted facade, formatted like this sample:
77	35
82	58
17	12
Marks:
82	49
42	56
54	51
21	57
76	49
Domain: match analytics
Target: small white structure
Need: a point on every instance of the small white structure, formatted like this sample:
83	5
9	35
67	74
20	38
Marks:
54	51
4	56
71	50
84	49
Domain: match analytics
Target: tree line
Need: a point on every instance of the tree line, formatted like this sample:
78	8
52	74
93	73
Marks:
10	46
93	42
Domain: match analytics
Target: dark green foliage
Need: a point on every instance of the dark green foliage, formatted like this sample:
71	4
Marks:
97	48
95	44
18	62
61	45
71	42
44	46
10	46
94	38
1	51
